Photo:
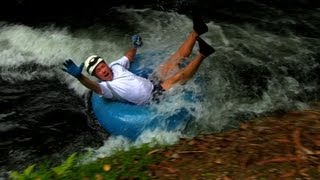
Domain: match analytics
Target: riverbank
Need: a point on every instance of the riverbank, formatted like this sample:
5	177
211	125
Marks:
285	146
281	146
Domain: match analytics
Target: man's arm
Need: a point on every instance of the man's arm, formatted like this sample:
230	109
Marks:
92	85
136	43
131	53
75	71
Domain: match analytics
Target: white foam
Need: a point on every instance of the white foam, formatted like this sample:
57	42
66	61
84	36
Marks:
117	143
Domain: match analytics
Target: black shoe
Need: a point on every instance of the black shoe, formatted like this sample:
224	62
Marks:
198	24
204	48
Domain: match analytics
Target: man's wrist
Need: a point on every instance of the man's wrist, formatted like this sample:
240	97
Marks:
79	76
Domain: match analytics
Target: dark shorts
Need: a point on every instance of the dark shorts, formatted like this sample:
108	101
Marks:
158	91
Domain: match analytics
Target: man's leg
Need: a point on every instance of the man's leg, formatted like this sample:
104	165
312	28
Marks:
187	73
184	51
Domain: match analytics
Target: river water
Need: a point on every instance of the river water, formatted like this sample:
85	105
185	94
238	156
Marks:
266	61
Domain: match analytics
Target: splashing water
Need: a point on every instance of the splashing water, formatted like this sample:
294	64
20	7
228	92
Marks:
254	72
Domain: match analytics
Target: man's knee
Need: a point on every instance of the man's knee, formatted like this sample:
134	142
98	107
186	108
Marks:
166	85
177	78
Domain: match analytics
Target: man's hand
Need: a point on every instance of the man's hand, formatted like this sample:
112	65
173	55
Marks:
72	68
137	41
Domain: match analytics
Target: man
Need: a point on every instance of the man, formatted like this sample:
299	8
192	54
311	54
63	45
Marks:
118	83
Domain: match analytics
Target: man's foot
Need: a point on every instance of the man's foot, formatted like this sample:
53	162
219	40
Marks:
198	24
204	48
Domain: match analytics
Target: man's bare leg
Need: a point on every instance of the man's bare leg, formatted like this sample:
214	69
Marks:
182	53
172	64
187	73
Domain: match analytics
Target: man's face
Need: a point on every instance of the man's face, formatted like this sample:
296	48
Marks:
103	72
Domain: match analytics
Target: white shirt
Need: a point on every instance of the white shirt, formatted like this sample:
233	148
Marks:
127	85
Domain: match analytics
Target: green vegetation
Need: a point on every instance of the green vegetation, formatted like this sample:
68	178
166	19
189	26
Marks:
123	164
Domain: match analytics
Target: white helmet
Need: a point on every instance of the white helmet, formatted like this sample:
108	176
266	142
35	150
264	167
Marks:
91	63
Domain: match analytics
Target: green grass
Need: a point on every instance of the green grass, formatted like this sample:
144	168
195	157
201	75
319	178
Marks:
124	164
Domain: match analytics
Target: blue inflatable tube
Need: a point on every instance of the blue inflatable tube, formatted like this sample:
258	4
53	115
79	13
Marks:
130	120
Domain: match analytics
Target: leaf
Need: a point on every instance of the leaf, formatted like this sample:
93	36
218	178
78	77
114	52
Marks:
106	167
28	170
59	170
154	151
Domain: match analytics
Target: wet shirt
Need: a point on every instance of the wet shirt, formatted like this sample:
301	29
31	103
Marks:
126	86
